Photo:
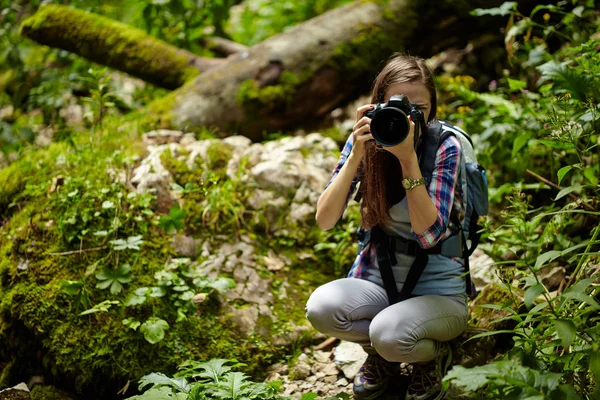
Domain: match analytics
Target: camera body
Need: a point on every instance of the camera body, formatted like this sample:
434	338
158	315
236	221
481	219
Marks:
389	121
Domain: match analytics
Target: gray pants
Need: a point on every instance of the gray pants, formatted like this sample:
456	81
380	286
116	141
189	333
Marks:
358	311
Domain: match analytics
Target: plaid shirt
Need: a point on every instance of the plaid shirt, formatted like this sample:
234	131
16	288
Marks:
443	193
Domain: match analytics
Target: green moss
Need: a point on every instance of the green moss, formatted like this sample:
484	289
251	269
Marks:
252	96
48	392
159	112
364	53
75	30
219	155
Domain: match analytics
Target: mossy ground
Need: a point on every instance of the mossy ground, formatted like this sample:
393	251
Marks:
70	197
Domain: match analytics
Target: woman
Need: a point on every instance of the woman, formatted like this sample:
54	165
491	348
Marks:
357	308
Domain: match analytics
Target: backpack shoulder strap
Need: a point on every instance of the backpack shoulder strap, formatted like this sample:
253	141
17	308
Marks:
429	146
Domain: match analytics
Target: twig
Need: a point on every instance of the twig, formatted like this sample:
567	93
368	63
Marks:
67	253
555	186
325	344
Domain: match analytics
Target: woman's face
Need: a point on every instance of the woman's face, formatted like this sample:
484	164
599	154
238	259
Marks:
416	93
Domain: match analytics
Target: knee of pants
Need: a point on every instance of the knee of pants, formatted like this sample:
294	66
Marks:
323	312
389	342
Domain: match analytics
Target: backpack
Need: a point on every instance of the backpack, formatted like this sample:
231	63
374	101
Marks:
475	195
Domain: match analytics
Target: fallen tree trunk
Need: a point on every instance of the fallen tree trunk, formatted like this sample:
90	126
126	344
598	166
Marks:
116	45
222	46
303	73
286	80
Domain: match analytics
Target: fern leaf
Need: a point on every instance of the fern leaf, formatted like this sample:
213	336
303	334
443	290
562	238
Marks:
566	79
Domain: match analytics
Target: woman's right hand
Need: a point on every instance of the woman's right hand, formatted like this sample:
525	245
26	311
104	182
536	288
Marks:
361	132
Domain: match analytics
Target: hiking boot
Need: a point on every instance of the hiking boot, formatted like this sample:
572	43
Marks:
426	383
373	378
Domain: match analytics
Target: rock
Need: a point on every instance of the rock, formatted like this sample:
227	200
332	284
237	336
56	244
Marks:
349	357
341	382
6	112
322	356
250	286
301	370
302	212
245	318
44	137
552	276
19	392
161	136
483	317
151	175
483	272
279	368
185	246
474	352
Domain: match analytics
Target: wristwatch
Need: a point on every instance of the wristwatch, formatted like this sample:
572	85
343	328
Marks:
409	183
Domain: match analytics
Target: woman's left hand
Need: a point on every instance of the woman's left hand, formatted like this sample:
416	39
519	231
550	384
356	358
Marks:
405	149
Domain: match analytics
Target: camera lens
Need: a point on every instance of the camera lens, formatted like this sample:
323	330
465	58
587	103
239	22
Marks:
390	126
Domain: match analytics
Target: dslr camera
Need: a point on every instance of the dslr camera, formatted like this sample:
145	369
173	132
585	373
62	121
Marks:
389	121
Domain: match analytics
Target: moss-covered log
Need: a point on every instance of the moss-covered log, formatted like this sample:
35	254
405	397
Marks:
305	72
114	44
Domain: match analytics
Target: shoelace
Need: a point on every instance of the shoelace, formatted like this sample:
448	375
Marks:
375	368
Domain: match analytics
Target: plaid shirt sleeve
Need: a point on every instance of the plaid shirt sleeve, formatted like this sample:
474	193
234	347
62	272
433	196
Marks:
442	191
342	160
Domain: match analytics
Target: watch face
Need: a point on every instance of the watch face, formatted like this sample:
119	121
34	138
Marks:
406	184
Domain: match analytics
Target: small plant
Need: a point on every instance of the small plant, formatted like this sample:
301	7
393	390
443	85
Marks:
174	221
114	279
100	98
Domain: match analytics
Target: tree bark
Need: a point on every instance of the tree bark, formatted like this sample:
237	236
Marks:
224	47
303	73
116	45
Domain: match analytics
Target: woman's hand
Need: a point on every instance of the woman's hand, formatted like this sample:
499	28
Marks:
405	149
361	132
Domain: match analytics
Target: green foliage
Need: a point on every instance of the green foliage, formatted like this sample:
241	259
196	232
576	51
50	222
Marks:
259	20
154	329
174	221
114	279
211	380
509	380
541	117
100	99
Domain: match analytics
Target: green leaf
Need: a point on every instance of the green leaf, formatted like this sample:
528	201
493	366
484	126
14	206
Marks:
556	144
71	287
154	329
546	257
134	300
515	85
590	174
566	331
176	213
532	293
157	393
108	204
595	365
566	191
582	297
159	379
131	323
309	396
518	143
562	172
503	10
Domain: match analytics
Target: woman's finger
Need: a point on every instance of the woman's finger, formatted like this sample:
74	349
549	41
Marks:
365	138
361	122
362	130
361	110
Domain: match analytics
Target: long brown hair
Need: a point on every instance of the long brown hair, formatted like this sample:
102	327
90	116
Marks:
380	185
